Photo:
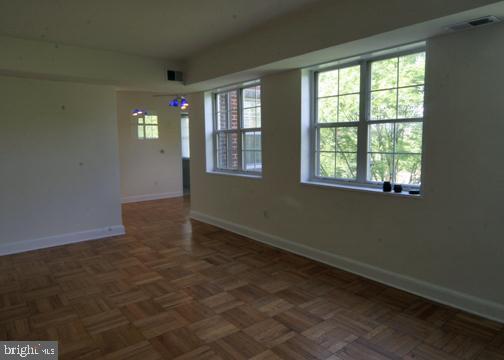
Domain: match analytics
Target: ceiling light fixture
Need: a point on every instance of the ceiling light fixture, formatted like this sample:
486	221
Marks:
138	112
179	101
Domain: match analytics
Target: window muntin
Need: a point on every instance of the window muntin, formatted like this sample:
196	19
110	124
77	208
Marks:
237	130
369	121
147	127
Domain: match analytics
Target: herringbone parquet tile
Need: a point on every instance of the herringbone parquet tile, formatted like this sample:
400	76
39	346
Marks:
179	289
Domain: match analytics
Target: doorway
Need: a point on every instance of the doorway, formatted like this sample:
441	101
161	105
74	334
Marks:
184	130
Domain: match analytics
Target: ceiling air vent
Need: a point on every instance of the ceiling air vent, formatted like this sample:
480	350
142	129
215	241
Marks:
173	75
471	24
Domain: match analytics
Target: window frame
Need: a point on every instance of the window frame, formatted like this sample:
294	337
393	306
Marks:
361	180
240	131
144	125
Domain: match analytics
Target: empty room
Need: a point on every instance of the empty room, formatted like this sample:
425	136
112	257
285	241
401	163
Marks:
267	179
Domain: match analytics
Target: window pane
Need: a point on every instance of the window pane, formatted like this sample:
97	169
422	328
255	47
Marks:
327	164
227	110
349	108
346	166
251	141
233	119
222	153
184	129
327	139
252	97
346	139
184	126
408	169
384	74
140	120
327	83
222	103
412	69
233	110
252	160
141	134
411	102
233	151
151	119
384	105
328	110
409	138
258	159
380	167
151	132
249	160
227	151
349	80
252	118
222	121
381	138
258	138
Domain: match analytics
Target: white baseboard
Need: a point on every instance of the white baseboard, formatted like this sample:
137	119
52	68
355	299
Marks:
478	306
148	197
63	239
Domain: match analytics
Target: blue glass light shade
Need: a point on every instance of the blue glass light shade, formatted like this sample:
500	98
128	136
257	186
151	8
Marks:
183	102
174	103
138	112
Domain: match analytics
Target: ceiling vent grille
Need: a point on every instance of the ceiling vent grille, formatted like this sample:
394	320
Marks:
173	75
471	24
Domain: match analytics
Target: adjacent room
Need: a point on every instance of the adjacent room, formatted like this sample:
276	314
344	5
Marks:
268	179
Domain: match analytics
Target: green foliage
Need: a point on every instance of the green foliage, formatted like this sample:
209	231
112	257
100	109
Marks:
384	74
349	80
349	108
384	105
338	152
328	83
338	92
396	147
412	70
328	110
411	100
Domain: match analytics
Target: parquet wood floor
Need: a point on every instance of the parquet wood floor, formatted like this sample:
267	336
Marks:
179	289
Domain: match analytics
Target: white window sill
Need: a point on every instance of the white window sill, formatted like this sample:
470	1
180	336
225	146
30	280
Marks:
361	188
246	175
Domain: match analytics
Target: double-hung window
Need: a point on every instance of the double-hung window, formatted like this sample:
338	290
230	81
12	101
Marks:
237	130
368	122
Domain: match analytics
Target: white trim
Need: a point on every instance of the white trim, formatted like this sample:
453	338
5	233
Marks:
244	174
63	239
362	188
459	300
148	197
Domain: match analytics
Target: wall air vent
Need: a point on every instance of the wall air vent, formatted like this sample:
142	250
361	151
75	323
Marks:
474	23
173	75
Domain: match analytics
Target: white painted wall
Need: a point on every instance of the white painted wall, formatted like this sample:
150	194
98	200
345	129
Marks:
146	172
326	24
447	245
48	60
59	174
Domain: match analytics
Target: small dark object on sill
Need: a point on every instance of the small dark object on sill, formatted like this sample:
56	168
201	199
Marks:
414	192
397	188
387	186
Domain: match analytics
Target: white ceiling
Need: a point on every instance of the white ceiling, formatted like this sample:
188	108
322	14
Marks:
160	28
